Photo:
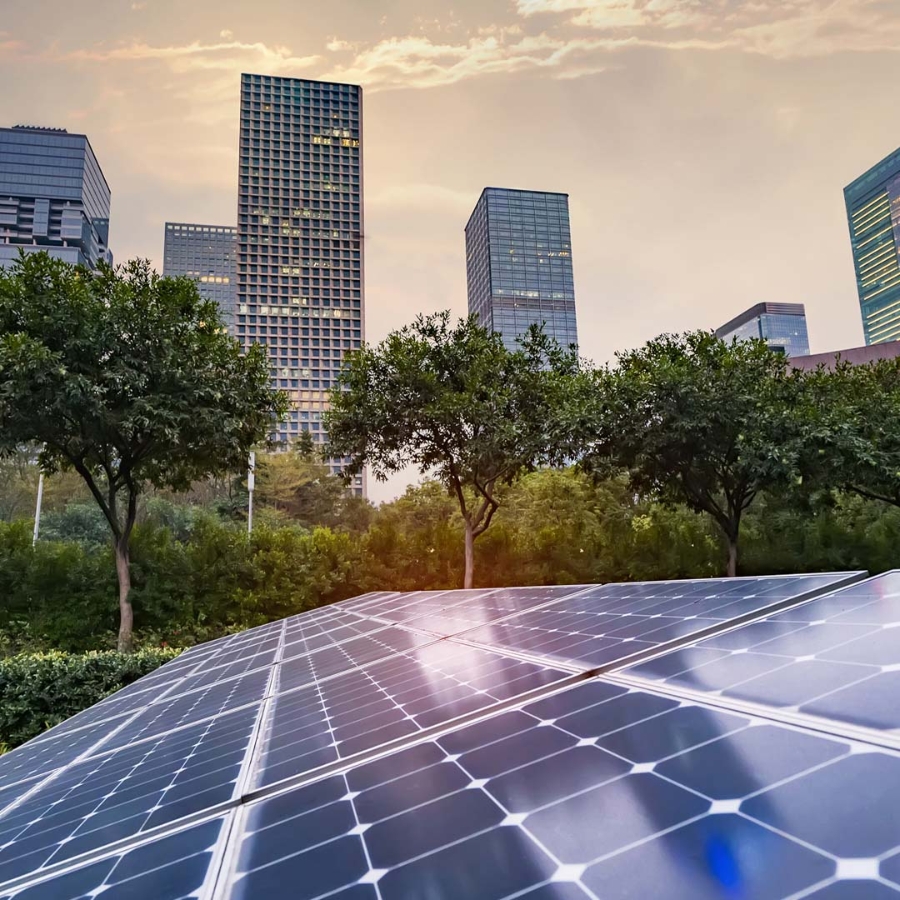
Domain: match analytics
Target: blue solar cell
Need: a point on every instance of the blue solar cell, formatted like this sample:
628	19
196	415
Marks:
837	657
388	700
614	624
672	800
170	868
124	793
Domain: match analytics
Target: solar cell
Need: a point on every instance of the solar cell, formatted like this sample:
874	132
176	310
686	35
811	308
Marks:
837	657
122	794
612	624
596	791
388	700
176	867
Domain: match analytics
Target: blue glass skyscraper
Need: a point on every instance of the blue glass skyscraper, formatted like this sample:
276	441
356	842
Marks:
519	264
781	325
53	196
873	213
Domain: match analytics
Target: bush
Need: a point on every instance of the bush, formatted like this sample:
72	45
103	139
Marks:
39	690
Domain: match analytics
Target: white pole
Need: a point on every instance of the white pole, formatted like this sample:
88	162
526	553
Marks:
37	510
251	484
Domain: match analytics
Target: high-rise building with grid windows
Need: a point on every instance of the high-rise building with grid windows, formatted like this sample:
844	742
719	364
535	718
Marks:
300	237
781	325
206	254
873	213
519	264
53	197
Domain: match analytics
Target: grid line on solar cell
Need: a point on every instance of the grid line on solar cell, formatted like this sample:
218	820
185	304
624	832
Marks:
836	658
655	786
615	625
106	799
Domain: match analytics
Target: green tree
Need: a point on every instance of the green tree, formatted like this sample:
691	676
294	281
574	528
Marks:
456	403
693	420
130	380
850	421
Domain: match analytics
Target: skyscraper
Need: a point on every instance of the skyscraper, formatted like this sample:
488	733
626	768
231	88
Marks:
519	264
300	230
207	254
873	212
781	325
53	196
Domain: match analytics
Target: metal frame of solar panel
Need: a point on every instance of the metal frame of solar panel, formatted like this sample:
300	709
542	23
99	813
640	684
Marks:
384	747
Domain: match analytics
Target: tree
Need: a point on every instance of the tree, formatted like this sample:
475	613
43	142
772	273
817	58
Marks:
455	402
130	380
850	424
693	420
301	487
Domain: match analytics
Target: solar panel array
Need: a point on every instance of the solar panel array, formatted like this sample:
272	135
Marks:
732	738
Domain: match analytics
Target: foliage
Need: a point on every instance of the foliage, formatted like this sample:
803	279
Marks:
128	379
693	420
456	403
40	690
850	419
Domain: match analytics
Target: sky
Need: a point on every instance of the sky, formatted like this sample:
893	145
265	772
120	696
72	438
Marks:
704	144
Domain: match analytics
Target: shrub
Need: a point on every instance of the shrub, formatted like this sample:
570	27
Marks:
39	690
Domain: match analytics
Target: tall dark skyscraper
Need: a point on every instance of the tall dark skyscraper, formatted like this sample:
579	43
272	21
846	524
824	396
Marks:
300	237
519	264
873	212
781	325
207	254
53	196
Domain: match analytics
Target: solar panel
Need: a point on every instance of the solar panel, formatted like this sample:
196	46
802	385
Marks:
461	744
836	657
596	791
615	623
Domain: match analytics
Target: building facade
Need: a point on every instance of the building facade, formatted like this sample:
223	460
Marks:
208	255
519	264
53	196
781	325
873	214
300	266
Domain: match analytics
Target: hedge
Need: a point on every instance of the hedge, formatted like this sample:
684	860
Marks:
39	690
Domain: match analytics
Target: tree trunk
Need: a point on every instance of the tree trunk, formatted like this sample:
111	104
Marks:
732	557
470	556
126	614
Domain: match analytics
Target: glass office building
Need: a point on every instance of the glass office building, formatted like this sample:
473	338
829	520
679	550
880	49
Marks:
519	264
53	196
873	213
299	237
781	325
206	254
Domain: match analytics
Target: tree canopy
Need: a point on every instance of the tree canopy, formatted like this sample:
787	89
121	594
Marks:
694	420
130	380
453	401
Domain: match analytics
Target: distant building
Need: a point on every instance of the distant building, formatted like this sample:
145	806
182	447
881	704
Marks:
300	238
857	356
873	213
53	196
519	264
781	325
207	254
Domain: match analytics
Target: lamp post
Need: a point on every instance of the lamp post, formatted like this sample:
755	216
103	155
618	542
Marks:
37	510
251	483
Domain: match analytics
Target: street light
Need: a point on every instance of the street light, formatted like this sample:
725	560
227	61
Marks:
37	510
251	483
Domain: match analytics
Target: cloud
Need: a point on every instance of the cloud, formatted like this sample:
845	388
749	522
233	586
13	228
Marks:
226	34
136	7
776	28
228	55
417	61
